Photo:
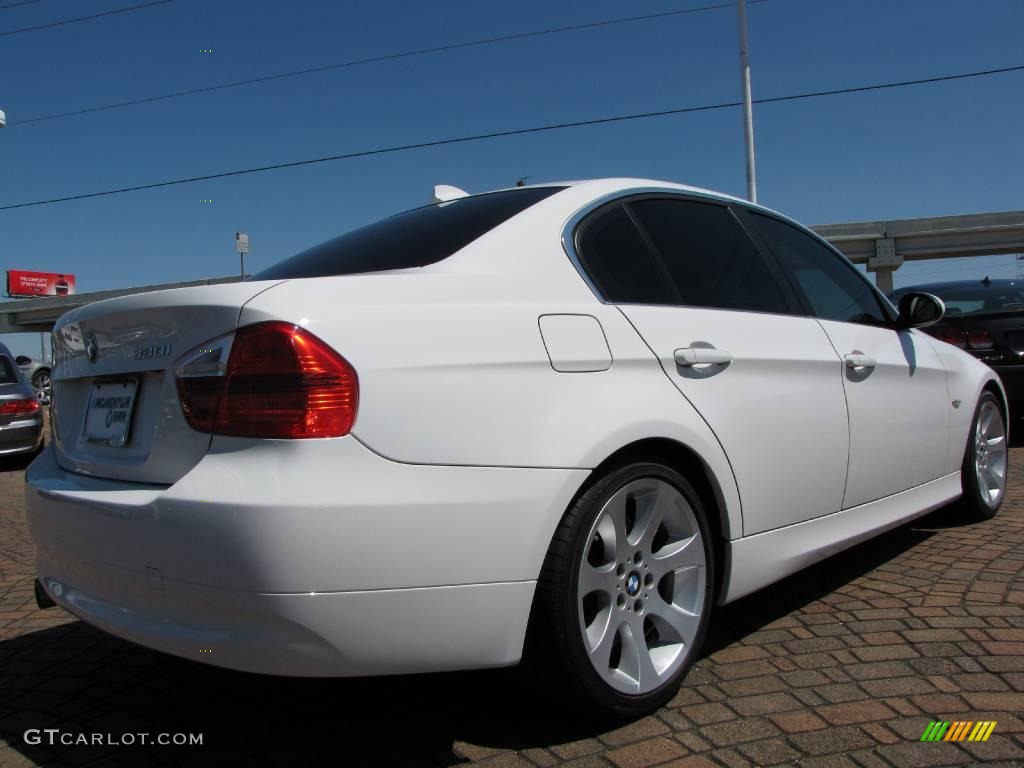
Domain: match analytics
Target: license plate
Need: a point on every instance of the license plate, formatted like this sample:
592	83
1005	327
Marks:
110	413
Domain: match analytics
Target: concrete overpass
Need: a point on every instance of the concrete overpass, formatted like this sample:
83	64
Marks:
883	245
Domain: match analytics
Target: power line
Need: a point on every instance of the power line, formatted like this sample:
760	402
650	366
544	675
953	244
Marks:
377	59
522	131
82	18
15	5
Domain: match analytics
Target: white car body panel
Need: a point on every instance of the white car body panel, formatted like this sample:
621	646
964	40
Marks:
778	405
966	378
478	523
767	557
464	369
899	411
491	385
229	556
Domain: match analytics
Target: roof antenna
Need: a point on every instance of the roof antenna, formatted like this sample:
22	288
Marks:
986	281
522	181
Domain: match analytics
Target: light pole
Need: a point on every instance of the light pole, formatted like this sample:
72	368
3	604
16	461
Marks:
748	110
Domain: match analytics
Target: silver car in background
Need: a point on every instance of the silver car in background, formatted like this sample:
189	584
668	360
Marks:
21	417
37	373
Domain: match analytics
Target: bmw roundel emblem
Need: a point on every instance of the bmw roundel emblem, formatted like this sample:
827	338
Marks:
92	347
633	584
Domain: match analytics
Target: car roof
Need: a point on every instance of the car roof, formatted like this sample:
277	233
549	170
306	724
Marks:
4	350
600	187
589	191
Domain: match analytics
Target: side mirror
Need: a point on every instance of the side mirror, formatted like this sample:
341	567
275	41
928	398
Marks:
22	360
919	310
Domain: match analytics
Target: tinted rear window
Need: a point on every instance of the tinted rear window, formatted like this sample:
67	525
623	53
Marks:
8	373
619	263
415	238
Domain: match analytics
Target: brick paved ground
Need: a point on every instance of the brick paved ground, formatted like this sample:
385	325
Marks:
843	665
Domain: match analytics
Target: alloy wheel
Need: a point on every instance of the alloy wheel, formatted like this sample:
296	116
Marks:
990	453
642	586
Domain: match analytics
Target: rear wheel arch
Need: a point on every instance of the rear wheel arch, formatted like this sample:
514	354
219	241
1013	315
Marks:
688	463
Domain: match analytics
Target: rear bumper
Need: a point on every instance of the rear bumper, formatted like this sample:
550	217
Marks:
369	632
22	436
303	557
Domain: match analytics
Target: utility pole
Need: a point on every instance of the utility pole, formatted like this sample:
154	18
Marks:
748	109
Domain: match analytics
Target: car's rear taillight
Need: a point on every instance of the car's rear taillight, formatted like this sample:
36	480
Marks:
24	407
954	336
978	338
268	380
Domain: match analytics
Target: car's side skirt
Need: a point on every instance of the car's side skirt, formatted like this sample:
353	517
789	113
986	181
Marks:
762	559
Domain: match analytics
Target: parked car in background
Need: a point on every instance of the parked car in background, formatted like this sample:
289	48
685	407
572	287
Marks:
986	319
21	418
37	372
563	421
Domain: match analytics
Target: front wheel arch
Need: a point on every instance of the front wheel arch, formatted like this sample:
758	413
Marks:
972	502
993	386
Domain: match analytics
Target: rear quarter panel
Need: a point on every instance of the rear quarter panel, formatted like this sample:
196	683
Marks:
453	370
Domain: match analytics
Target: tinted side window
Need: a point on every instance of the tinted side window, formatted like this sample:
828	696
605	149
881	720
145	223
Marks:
415	238
834	290
8	373
711	260
619	263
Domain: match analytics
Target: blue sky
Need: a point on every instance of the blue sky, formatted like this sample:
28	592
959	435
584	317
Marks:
930	150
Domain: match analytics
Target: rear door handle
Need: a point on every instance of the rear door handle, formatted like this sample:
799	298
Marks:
858	360
700	355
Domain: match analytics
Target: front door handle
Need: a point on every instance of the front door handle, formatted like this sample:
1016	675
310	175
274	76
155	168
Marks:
858	361
700	355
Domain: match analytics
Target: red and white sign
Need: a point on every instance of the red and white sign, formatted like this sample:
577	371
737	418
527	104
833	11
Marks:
22	283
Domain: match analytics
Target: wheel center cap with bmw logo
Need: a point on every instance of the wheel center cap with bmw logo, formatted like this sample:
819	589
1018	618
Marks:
633	584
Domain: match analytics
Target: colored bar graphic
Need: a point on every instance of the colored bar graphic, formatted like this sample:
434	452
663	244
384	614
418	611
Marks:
934	731
958	730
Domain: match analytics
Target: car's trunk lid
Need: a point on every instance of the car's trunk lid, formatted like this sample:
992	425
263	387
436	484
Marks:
116	409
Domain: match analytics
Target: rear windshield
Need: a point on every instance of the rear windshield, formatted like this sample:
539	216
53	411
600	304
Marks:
8	373
412	239
978	299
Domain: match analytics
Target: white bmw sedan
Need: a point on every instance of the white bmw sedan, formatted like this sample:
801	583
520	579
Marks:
563	420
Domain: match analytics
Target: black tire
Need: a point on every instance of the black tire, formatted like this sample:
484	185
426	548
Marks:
555	647
41	379
973	504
